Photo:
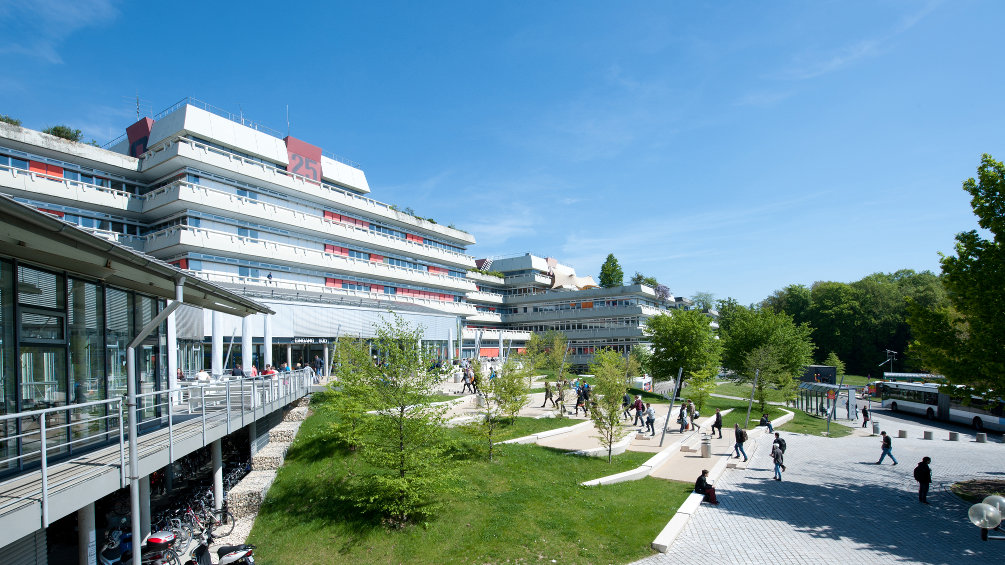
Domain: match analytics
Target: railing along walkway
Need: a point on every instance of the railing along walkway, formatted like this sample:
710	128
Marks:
190	417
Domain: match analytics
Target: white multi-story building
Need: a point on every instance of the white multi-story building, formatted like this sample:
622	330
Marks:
268	216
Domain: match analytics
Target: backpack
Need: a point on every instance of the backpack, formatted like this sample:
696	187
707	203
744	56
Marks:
743	434
781	444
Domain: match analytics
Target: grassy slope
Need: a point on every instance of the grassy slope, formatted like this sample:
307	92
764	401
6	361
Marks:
526	506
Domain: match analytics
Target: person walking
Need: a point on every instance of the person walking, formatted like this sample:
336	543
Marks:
741	437
640	410
887	448
650	419
561	397
682	417
626	404
702	486
717	423
780	443
580	401
690	414
586	399
865	416
547	395
778	457
923	474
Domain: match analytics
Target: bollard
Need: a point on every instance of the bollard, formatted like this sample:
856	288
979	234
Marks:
706	447
901	433
954	436
928	435
982	437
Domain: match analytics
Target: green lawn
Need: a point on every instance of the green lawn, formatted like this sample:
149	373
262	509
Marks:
527	506
743	391
804	423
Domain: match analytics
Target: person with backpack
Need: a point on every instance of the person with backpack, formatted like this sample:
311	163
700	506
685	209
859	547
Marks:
923	474
780	443
741	437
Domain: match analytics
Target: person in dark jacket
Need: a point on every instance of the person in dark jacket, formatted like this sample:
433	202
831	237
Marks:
741	436
717	423
701	486
887	448
923	474
547	395
865	416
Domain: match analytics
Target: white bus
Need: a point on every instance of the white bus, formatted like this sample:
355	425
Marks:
925	399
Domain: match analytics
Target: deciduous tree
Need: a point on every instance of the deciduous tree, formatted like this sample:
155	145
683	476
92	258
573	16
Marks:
682	339
608	369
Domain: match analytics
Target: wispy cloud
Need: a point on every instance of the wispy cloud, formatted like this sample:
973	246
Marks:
813	64
43	25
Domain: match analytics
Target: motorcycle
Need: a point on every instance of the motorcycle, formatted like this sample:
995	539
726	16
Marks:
118	548
243	554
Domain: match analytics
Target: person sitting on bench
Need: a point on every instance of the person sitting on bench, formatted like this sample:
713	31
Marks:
702	486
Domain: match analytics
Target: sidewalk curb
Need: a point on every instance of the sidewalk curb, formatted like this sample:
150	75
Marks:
557	431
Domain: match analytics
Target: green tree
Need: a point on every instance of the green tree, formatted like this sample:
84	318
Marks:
547	351
682	339
639	278
611	274
64	132
832	360
639	361
404	442
503	398
778	342
963	340
9	120
349	393
762	366
701	385
608	370
703	300
793	300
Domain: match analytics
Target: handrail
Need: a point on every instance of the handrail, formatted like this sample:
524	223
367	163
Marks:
284	386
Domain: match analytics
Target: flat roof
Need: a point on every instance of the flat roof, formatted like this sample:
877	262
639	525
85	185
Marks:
36	237
824	387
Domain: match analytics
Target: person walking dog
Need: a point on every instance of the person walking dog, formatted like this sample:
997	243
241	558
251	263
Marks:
887	449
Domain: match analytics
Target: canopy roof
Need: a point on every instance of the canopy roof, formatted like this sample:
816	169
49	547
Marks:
824	387
37	237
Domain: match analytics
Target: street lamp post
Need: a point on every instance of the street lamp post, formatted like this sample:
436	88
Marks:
987	515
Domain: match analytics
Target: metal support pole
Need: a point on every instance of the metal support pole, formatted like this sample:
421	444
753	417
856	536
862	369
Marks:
673	395
267	339
228	407
202	389
246	340
45	472
216	366
757	373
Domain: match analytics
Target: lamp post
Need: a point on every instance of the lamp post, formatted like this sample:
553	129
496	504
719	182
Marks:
987	515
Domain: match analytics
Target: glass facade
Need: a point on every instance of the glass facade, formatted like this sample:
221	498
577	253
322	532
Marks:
63	343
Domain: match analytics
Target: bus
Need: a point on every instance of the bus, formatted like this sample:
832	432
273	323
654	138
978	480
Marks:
925	399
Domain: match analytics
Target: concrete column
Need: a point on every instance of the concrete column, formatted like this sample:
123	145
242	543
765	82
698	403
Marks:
500	345
217	450
145	506
268	339
87	540
246	350
217	336
172	351
289	356
450	344
324	370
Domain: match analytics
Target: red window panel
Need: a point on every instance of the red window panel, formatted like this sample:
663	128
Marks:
36	167
332	216
180	263
337	283
329	248
58	214
377	258
376	288
489	352
415	238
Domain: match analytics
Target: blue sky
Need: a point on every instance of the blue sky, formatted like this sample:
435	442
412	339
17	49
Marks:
725	147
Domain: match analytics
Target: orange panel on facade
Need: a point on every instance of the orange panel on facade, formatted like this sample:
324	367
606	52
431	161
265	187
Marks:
488	352
587	305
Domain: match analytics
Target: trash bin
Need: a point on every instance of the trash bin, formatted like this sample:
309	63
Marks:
875	427
706	446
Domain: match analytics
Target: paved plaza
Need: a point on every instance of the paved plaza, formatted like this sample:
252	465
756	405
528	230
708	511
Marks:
835	505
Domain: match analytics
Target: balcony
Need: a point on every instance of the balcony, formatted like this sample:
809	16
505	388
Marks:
486	278
489	336
581	314
182	195
177	240
36	186
291	290
485	297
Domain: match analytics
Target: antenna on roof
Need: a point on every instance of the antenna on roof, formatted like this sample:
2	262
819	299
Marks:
137	105
241	109
287	120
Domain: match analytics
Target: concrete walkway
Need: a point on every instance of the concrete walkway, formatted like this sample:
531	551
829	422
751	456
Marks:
835	505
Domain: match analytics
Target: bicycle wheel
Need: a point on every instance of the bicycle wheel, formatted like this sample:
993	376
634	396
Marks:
223	523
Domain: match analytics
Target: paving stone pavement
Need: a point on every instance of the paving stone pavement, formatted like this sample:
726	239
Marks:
835	505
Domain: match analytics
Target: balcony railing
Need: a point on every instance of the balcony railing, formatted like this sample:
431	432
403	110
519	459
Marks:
199	406
319	215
